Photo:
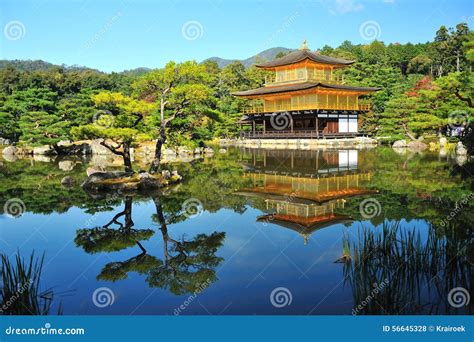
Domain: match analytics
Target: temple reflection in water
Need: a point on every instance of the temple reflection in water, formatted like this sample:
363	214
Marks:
308	199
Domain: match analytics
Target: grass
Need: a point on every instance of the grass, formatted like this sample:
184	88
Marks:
20	293
417	272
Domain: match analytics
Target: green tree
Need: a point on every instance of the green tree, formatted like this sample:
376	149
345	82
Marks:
179	90
120	123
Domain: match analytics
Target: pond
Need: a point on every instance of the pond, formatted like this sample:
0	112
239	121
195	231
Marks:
252	232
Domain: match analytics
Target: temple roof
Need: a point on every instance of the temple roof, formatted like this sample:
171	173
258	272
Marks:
284	191
299	87
302	54
305	225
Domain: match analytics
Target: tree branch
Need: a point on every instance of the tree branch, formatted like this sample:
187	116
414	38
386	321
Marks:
113	149
462	98
407	132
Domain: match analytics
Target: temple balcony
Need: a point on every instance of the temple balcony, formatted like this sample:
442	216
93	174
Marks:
269	108
298	134
272	80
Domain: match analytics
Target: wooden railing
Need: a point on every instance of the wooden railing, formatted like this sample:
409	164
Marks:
312	106
311	134
334	79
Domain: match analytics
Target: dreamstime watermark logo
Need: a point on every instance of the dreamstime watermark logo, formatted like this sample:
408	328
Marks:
14	208
457	209
14	30
370	30
459	297
377	288
191	298
286	24
269	218
103	118
458	119
281	297
109	201
108	24
8	303
192	30
280	120
370	208
47	329
103	297
192	207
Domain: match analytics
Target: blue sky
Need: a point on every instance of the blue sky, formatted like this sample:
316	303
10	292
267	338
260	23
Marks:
116	35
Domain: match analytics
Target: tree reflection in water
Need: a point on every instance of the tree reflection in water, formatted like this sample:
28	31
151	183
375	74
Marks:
187	265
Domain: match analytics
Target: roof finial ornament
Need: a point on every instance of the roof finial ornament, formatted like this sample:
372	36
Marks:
304	45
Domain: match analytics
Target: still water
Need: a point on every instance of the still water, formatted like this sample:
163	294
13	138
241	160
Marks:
253	232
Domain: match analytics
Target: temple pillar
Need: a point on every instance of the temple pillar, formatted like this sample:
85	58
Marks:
317	126
291	123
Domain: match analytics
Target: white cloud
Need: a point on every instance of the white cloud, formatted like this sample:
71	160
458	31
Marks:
342	6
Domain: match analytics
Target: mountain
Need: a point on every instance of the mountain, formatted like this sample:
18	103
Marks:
263	56
136	71
39	65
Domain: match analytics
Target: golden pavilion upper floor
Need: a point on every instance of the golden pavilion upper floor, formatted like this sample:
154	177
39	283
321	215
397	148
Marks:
308	88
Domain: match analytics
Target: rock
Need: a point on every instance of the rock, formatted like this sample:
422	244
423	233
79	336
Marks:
44	151
166	174
66	165
98	181
92	170
43	158
98	149
208	150
123	182
399	143
10	151
443	141
10	157
182	150
169	152
145	151
443	152
169	158
67	181
400	150
222	150
366	141
461	160
198	150
4	141
184	158
75	149
417	145
461	150
64	143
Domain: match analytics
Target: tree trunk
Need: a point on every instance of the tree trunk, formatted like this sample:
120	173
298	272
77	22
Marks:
408	133
163	226
127	161
155	165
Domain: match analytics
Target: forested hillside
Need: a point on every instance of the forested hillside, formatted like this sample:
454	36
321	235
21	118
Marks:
426	90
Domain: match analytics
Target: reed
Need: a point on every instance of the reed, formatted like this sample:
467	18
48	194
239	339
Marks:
20	293
416	273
